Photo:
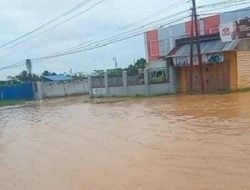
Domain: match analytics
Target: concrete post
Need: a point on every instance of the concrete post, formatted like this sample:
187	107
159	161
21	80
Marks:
106	82
146	82
125	81
90	86
172	43
173	78
40	92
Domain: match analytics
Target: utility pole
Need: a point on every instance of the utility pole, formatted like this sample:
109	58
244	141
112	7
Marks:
192	50
198	46
116	64
29	68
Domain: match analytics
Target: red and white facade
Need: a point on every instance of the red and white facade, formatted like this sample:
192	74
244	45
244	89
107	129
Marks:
160	42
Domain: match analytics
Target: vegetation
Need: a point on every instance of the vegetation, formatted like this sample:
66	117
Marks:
11	102
132	69
24	76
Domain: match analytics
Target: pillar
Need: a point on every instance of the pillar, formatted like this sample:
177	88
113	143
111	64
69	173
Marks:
90	86
106	83
146	82
125	82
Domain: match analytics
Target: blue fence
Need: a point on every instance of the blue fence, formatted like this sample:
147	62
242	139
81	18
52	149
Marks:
17	92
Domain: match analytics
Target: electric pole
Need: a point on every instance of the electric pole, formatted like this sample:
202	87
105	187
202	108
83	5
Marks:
29	68
192	50
197	36
116	64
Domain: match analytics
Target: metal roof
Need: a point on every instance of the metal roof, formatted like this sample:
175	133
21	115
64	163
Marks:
206	47
57	78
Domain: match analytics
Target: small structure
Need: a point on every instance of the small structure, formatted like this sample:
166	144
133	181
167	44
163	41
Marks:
56	78
60	86
225	65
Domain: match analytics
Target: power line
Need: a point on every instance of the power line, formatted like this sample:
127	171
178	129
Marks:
114	39
141	28
91	42
127	26
83	50
212	5
95	46
107	41
76	7
224	7
145	18
57	25
17	64
234	11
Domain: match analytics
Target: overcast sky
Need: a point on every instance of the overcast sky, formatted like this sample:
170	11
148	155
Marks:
18	17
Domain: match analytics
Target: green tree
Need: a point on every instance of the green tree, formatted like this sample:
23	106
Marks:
140	63
115	72
131	70
98	72
48	73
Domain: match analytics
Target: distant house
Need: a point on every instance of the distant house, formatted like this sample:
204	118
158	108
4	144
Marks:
56	78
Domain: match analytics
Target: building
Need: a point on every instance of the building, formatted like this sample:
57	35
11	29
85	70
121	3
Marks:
56	78
225	61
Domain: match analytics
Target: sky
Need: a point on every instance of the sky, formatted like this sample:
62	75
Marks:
18	17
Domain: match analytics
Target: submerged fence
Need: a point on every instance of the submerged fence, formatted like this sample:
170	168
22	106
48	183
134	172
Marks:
149	81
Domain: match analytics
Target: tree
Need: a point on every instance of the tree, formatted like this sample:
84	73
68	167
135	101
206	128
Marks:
98	72
115	72
131	70
140	63
48	73
23	76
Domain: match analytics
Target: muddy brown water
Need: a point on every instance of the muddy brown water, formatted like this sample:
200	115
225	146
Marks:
164	143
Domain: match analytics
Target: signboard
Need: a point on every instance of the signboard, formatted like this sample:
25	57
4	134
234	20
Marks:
181	61
206	59
235	30
244	28
215	58
185	61
227	33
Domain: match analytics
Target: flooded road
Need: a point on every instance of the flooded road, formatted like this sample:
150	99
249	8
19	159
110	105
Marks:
164	143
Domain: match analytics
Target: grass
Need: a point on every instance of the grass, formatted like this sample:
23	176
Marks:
11	102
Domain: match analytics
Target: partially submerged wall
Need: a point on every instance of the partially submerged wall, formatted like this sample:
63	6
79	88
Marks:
61	89
147	88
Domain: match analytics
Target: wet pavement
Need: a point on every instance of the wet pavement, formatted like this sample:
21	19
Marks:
184	142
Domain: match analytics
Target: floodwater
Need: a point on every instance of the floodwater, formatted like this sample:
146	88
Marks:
198	142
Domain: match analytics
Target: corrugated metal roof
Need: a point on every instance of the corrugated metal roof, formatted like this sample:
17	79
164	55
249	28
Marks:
57	78
206	47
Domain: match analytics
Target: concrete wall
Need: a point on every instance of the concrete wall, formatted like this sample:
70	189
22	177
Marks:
157	64
146	89
61	89
243	67
167	37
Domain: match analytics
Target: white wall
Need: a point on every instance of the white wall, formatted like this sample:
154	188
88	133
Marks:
61	89
147	89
